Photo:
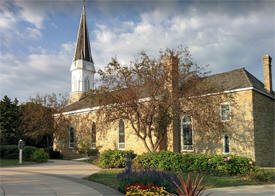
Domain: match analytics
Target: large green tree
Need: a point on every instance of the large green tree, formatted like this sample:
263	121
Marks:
9	121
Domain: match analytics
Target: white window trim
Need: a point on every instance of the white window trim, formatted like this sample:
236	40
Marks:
225	103
71	144
223	139
93	144
118	143
181	133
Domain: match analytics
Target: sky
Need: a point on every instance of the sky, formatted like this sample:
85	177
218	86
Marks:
37	37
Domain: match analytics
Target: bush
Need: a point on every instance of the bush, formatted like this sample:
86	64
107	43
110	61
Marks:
92	152
9	152
114	158
203	163
28	152
12	152
147	177
40	155
54	154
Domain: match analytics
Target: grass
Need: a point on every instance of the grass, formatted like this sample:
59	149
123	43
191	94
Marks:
108	177
13	162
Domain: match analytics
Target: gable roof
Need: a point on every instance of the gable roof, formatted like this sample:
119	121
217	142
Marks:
226	81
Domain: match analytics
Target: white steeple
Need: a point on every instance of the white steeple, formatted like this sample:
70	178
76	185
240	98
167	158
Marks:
82	68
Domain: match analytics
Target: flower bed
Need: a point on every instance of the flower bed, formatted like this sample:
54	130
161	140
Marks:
147	177
141	189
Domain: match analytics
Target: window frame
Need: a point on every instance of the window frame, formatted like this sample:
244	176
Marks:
93	129
226	134
71	144
221	112
119	143
181	132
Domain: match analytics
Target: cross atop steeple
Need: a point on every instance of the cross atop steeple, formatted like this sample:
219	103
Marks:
83	49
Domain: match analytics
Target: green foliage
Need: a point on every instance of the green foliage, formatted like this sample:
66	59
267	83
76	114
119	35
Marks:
9	152
54	154
40	155
93	152
114	158
9	121
203	163
12	152
28	152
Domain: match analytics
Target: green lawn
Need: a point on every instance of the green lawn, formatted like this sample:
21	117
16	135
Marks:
108	177
13	162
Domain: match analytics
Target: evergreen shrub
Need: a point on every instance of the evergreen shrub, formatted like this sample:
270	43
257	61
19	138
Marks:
40	156
114	158
202	163
12	152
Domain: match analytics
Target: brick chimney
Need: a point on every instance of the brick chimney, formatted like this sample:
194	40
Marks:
267	72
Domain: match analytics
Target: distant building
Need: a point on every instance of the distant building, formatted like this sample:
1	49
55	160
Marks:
250	121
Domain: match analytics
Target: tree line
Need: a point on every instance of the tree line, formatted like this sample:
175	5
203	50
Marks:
32	121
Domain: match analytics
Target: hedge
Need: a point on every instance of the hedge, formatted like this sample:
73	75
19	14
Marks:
114	158
12	152
202	163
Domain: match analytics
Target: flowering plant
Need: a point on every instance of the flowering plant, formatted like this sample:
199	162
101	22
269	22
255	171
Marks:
141	189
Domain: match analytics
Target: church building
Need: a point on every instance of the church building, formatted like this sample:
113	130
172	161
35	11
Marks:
250	121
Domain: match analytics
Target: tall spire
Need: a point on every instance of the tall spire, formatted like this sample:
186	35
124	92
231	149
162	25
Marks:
83	49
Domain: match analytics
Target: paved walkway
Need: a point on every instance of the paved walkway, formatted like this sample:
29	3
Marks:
259	190
55	178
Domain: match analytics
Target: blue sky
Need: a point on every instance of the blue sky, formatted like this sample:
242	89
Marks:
37	37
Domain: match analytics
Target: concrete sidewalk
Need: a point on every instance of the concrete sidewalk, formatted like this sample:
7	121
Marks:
251	190
56	178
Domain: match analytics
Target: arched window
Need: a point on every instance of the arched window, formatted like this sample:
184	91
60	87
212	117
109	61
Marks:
226	147
71	137
121	135
186	134
93	136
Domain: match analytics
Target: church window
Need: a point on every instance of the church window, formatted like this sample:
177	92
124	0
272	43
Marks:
121	135
225	111
186	134
93	136
71	137
226	147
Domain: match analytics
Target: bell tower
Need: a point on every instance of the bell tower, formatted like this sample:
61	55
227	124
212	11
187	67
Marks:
82	68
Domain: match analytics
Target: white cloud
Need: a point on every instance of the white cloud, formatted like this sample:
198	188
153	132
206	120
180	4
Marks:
220	39
42	73
33	33
31	13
